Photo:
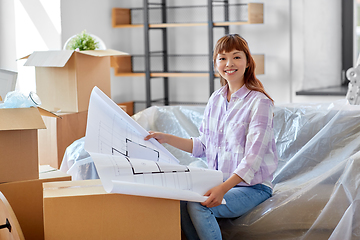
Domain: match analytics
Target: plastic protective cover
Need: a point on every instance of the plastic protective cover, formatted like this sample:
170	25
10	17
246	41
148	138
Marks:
315	185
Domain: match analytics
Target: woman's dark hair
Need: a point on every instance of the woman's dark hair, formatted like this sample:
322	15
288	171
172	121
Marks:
232	42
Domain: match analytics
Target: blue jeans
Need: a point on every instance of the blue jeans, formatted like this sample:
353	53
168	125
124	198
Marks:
199	222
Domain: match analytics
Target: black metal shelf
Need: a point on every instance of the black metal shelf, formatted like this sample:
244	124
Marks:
215	4
120	20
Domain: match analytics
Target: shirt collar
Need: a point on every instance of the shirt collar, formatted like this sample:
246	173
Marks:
240	94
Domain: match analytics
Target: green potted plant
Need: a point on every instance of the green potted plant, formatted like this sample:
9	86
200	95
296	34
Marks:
82	42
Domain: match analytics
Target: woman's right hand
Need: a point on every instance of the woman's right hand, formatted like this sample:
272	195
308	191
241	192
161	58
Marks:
159	136
185	144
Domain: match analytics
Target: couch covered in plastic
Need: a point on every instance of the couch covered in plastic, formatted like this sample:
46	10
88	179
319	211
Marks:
316	185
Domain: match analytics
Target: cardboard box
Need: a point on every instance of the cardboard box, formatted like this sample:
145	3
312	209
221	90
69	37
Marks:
59	134
26	199
65	79
83	210
19	144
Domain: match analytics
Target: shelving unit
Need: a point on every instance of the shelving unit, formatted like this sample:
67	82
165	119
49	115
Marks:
121	18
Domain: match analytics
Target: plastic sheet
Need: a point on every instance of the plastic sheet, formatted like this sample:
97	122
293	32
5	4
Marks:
315	186
78	163
15	99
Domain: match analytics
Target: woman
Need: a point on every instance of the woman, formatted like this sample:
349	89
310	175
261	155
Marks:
237	138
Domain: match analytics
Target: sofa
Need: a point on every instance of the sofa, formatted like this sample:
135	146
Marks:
315	185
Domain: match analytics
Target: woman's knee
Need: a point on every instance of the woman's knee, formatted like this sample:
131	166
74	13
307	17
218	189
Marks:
195	207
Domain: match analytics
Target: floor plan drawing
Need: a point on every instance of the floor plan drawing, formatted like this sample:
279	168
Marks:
120	138
151	172
111	131
121	174
128	164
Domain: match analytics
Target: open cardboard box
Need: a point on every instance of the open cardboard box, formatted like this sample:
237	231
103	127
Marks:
65	79
26	199
19	143
61	132
83	210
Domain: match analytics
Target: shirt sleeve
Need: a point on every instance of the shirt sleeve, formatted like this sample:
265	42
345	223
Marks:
198	148
258	140
199	145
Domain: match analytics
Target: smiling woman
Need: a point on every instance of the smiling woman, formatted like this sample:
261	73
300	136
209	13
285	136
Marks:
240	108
236	49
231	66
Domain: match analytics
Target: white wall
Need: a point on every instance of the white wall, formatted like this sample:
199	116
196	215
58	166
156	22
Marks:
94	16
299	54
27	26
7	35
271	39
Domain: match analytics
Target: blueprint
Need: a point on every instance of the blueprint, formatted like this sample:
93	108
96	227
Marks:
112	131
120	174
128	164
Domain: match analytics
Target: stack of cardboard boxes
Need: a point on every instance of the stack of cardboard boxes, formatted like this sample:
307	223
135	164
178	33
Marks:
71	209
64	81
20	176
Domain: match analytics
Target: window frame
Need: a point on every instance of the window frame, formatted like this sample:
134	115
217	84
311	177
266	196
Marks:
348	19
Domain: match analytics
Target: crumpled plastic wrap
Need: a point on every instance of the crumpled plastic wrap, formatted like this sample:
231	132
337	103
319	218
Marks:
315	185
78	163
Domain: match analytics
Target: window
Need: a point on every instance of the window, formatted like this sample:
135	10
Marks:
348	47
349	50
357	51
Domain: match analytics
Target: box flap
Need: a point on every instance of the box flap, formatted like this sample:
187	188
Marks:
26	57
46	168
49	58
47	113
47	172
73	188
103	53
20	119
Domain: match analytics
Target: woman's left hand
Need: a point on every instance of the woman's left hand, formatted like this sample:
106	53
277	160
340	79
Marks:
215	196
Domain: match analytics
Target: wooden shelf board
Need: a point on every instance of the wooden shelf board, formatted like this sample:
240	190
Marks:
229	23
165	25
162	74
179	74
121	18
129	74
128	25
122	66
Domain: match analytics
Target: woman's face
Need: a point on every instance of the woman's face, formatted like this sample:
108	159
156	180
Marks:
232	65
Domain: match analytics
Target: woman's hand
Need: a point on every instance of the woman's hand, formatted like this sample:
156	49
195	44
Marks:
159	136
215	196
178	142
